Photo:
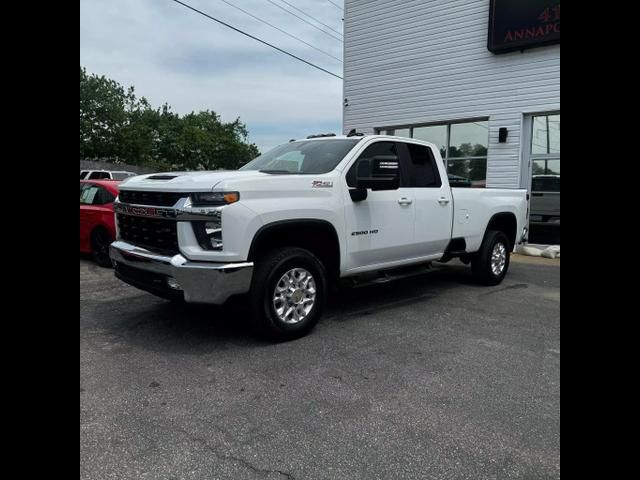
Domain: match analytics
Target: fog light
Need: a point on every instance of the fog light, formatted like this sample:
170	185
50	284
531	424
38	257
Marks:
208	234
214	233
173	283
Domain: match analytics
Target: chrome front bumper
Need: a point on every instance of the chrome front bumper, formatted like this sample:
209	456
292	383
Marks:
199	282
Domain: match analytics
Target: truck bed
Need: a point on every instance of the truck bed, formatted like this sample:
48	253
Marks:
473	207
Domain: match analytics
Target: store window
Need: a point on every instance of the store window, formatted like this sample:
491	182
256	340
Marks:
545	138
545	146
544	155
463	147
398	132
435	134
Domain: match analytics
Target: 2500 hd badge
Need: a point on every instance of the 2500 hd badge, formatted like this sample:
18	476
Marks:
364	232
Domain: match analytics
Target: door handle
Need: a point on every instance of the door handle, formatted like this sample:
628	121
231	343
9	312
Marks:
405	201
443	200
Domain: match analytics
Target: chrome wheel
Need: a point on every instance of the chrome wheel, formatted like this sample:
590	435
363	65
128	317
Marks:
294	295
498	258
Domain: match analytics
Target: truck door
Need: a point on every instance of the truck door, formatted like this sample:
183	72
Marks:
379	229
432	198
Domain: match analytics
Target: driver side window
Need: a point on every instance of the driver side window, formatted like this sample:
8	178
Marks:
378	148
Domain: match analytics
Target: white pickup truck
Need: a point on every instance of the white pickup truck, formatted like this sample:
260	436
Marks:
291	223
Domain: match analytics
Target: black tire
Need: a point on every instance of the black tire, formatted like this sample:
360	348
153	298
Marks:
481	267
268	273
100	241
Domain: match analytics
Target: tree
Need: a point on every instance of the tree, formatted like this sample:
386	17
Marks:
102	115
117	126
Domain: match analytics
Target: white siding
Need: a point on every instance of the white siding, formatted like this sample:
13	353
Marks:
421	61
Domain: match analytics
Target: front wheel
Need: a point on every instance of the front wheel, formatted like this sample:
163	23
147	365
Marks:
288	293
100	241
490	264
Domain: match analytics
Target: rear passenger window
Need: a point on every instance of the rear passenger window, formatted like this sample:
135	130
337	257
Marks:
423	170
545	184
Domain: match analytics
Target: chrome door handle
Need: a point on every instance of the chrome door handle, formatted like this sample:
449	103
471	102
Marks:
405	201
443	200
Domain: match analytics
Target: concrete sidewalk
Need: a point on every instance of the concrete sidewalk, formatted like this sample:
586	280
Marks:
519	258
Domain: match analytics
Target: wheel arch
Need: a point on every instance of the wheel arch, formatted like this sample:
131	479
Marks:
318	236
506	223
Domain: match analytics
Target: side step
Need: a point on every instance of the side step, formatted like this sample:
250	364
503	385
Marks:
386	276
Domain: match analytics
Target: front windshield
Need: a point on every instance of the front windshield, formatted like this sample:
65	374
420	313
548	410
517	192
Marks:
305	156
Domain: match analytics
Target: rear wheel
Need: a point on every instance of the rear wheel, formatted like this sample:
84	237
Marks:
288	293
100	241
490	264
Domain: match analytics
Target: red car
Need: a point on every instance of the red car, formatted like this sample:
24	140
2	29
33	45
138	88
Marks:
97	222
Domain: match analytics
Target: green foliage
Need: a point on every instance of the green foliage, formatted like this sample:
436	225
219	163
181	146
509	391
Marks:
117	126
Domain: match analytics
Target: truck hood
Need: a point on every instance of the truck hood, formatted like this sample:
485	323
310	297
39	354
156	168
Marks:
187	181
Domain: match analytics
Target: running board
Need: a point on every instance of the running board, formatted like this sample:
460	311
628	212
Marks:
386	276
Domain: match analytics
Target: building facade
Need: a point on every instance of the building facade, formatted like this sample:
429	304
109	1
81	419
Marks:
423	69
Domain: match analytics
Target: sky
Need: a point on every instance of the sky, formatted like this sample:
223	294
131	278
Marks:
174	55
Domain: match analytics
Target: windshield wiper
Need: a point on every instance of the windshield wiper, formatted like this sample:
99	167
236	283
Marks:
275	171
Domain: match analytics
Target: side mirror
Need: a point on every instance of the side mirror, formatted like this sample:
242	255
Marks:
381	172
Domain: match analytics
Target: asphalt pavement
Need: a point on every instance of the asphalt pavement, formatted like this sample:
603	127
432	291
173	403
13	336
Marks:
430	377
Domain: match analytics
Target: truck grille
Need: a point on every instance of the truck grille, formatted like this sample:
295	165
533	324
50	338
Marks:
159	199
152	233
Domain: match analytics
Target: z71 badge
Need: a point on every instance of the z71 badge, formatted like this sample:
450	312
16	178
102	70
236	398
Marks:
322	184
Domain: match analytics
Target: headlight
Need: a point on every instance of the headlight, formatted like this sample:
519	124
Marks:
212	199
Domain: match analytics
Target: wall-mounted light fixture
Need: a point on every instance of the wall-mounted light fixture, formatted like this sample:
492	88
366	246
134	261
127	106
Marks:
502	135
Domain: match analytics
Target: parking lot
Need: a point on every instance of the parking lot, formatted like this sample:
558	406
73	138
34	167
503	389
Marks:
427	377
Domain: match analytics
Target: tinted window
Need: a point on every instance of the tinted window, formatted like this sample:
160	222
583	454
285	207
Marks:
82	175
545	184
423	171
98	175
378	148
104	196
